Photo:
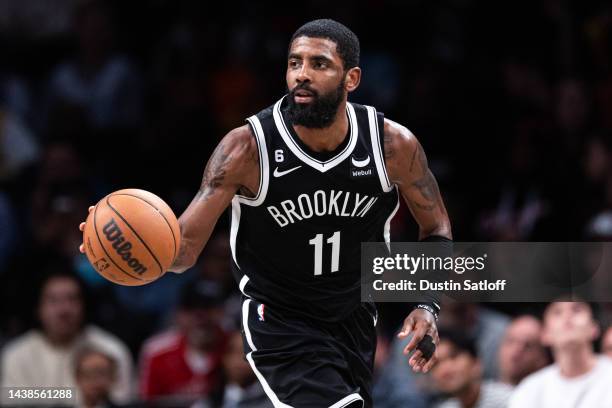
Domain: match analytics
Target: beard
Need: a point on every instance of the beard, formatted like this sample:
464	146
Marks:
318	114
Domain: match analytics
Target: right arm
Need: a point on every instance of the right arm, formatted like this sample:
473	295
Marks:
233	166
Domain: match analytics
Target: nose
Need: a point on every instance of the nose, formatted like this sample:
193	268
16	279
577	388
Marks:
303	74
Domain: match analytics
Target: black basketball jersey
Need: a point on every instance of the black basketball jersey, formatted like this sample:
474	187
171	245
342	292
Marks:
296	245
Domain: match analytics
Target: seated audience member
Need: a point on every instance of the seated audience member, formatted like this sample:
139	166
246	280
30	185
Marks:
242	388
521	351
486	326
606	343
458	374
184	364
95	373
43	357
578	378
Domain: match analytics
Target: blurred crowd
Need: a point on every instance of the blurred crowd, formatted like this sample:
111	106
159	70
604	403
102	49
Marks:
511	100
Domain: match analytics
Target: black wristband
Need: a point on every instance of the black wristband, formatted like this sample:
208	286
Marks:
432	308
436	238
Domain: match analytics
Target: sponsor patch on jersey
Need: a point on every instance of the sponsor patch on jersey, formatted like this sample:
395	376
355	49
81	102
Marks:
361	167
260	311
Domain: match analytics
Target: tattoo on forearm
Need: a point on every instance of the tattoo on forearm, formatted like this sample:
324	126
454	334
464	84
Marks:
427	185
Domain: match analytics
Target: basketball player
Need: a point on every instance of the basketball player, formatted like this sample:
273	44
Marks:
308	180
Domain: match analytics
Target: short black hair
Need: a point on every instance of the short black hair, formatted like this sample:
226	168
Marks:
347	43
461	341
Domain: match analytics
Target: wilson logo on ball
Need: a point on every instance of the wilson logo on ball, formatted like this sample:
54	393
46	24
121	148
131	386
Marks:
114	234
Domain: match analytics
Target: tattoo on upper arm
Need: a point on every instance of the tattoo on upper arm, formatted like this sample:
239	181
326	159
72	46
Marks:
219	163
426	184
388	145
412	159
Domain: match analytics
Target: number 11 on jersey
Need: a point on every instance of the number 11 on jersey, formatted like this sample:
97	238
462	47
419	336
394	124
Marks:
317	241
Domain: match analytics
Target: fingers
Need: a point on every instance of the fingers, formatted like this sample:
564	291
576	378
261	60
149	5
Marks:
429	364
408	326
415	359
418	335
82	228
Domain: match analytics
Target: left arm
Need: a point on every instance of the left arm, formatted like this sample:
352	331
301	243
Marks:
408	169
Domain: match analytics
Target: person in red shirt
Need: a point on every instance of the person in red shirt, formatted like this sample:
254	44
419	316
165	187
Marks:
184	364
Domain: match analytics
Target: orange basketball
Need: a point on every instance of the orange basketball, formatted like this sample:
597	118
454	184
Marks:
131	237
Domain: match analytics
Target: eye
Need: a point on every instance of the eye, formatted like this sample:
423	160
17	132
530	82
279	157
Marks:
293	63
320	64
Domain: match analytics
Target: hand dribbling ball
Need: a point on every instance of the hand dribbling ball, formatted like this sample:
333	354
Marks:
131	237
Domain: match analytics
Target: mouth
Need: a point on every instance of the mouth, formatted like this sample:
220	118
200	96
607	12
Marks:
303	96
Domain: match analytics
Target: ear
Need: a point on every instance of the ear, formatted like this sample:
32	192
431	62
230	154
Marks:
352	79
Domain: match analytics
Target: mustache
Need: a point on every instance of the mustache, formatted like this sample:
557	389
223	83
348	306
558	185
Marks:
303	87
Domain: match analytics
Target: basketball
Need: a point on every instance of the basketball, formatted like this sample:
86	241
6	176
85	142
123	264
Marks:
131	237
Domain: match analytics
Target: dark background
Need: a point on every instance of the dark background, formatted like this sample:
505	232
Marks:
511	100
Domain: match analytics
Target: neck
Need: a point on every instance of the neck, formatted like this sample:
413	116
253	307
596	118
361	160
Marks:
575	361
469	395
326	139
509	379
58	341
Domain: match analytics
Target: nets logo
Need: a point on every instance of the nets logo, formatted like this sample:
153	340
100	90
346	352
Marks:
113	234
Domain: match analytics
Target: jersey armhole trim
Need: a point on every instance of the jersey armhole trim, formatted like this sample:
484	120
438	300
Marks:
349	399
264	175
379	158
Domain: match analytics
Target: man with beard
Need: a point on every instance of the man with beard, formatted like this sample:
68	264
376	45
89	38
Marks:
308	180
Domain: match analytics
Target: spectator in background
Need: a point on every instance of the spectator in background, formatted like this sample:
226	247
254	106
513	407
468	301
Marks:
578	378
242	390
18	145
521	352
458	375
484	325
184	364
95	373
99	81
43	357
606	343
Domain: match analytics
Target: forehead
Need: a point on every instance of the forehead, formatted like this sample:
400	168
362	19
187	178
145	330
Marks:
61	285
309	46
566	306
524	325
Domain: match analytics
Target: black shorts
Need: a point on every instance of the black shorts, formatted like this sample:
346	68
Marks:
304	363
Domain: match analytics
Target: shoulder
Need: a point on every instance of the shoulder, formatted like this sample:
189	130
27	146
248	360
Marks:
605	363
238	149
401	149
161	344
495	393
22	345
106	341
241	134
398	140
532	384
